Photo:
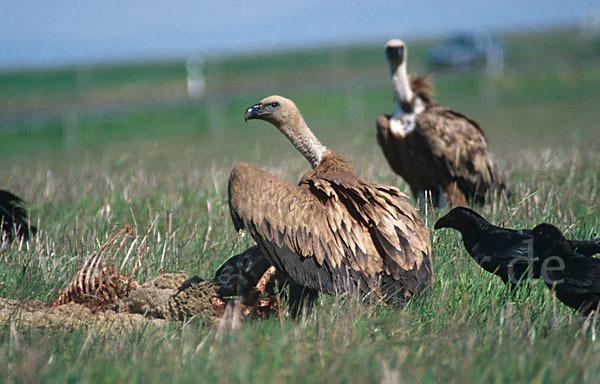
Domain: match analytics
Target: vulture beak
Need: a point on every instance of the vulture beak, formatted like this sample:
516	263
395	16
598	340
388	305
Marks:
253	112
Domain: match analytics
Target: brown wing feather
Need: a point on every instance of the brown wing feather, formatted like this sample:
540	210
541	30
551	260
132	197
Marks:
411	157
288	220
347	233
385	214
461	149
386	142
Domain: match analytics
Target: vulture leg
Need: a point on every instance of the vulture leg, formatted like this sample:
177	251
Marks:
300	299
421	197
454	196
264	280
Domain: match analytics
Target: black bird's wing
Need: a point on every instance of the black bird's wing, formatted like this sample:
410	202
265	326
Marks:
582	275
13	215
586	247
504	246
578	284
505	252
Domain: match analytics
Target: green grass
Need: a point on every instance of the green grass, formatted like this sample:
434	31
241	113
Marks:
131	166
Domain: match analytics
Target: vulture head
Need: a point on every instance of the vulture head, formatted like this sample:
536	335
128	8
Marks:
284	115
277	110
395	52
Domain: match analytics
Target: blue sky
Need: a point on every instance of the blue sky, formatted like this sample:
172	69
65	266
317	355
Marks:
60	32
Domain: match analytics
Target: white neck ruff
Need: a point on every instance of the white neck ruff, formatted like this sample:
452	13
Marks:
402	123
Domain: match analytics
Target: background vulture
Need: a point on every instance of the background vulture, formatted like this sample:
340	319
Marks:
434	148
334	232
13	217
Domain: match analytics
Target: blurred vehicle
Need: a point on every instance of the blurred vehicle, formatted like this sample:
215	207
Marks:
468	50
590	24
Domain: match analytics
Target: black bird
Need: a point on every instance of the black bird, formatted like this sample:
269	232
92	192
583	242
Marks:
575	277
507	253
13	218
240	273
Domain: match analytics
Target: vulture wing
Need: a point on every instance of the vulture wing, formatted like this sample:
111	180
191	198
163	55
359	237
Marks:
328	233
460	147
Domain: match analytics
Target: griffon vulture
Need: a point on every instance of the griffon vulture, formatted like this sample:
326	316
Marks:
333	232
435	149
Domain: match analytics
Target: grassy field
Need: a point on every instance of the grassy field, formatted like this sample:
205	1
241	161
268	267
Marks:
87	168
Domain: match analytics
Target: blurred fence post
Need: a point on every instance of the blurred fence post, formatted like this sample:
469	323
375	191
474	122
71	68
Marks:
196	77
70	125
83	80
354	105
494	66
214	114
494	62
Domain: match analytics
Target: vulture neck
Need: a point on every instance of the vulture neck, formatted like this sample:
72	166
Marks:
303	139
404	95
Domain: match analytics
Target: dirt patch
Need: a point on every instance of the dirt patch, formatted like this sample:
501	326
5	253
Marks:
199	299
68	316
99	294
168	297
154	303
152	299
